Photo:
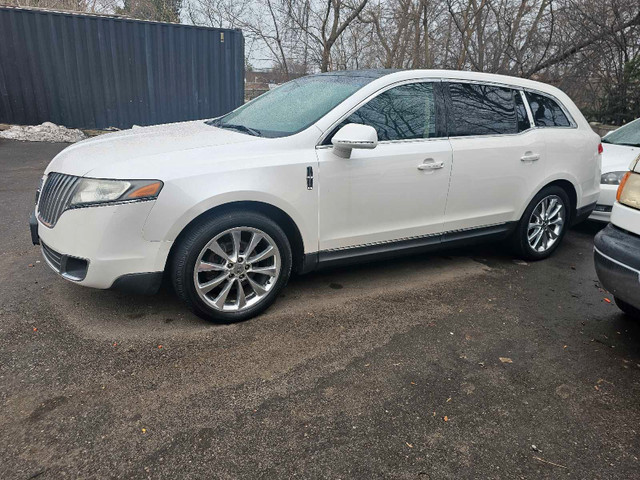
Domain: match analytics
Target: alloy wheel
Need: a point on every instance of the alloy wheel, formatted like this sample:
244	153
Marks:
546	223
237	269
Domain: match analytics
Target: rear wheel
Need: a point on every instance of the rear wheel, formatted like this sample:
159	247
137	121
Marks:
232	267
543	224
628	309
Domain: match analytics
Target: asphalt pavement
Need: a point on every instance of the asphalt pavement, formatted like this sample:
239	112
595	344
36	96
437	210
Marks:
461	364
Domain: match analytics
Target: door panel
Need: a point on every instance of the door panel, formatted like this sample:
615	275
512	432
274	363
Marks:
493	177
498	158
385	194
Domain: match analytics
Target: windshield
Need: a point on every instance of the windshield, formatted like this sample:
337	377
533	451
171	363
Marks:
627	135
291	107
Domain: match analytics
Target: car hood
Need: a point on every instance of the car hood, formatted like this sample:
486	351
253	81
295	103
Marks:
618	158
141	145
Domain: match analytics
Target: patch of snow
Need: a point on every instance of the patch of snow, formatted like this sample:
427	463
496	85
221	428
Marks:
47	132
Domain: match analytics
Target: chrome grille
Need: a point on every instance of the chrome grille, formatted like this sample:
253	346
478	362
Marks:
53	257
55	197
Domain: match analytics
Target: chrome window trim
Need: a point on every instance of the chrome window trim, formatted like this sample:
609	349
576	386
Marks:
459	137
521	90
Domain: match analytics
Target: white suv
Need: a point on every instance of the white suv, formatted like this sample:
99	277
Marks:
322	170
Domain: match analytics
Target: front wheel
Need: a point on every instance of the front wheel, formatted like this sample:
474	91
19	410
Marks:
231	267
543	224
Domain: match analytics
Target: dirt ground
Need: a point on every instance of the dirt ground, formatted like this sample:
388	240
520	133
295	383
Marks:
461	364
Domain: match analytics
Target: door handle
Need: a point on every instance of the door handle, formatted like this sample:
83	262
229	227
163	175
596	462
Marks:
431	165
530	157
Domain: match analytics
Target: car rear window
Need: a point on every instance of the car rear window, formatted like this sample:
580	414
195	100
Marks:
546	111
478	109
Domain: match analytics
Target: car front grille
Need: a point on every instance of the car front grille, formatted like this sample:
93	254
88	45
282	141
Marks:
53	257
55	197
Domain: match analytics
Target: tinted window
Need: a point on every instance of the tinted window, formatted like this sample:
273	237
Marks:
401	113
546	112
521	113
481	110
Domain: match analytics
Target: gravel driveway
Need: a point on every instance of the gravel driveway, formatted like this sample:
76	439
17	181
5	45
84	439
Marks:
463	364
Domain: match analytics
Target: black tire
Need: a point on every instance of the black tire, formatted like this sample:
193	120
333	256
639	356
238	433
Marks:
191	244
630	310
519	239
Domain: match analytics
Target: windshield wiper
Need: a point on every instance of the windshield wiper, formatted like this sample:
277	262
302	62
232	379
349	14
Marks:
233	126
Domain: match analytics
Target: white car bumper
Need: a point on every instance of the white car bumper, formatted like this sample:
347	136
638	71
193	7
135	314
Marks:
607	198
102	246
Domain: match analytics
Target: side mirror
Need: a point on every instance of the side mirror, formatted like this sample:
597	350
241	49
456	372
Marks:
354	135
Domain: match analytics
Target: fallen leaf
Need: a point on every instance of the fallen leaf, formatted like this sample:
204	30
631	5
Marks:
505	360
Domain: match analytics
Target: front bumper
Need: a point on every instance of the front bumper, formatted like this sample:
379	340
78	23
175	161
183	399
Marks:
602	212
107	242
617	261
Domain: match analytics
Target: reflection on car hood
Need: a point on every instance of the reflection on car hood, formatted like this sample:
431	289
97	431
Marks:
141	143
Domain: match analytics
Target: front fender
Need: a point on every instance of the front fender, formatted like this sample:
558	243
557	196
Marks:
180	203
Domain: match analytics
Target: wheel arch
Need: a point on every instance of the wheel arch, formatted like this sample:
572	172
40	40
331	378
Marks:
571	192
282	218
567	185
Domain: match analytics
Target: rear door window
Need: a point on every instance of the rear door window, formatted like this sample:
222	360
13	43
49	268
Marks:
478	109
546	111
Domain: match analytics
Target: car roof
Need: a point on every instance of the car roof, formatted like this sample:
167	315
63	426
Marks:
366	73
391	75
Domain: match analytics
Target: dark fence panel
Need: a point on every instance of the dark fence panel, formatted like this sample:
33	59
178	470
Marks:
88	71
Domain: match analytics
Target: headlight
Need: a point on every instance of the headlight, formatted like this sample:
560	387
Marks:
629	190
612	178
94	190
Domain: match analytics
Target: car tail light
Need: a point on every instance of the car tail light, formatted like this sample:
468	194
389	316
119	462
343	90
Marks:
629	190
600	149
